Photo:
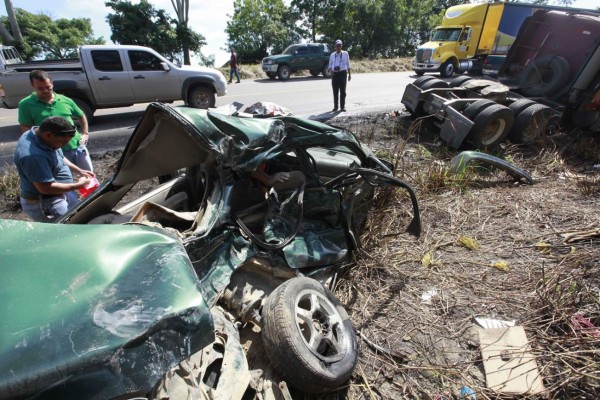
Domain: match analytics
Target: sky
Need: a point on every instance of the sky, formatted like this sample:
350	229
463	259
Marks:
207	17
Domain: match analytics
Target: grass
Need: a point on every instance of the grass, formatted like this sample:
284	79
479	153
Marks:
9	183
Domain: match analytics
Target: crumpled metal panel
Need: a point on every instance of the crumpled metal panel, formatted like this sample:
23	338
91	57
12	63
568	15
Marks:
94	311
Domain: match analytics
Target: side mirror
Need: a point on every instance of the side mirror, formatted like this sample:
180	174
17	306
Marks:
165	66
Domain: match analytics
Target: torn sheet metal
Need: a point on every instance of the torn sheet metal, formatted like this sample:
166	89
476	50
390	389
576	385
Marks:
94	311
461	160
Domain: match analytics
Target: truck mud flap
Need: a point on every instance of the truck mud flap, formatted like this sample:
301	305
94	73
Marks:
455	129
461	160
411	97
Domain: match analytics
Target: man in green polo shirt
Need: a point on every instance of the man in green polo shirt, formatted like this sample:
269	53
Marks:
43	103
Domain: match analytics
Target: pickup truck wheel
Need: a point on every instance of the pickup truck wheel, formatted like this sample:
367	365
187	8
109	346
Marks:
202	97
459	80
315	72
284	73
447	69
531	123
308	336
545	75
491	127
86	108
325	71
271	75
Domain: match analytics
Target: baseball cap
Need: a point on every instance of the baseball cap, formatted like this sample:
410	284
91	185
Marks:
338	42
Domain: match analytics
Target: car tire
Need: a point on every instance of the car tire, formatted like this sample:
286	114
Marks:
491	127
308	336
545	75
326	72
201	97
434	84
421	80
271	75
87	109
459	80
315	72
447	69
531	123
284	73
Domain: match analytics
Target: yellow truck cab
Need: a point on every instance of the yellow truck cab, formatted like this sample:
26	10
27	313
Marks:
473	34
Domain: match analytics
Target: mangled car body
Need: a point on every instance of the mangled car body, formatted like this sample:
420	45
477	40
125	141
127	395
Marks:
206	245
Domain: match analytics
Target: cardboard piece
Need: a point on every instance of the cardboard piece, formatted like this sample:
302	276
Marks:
509	365
152	212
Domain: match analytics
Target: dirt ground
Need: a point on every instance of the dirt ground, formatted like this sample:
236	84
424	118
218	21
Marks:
490	247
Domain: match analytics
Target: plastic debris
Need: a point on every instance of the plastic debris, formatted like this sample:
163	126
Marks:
489	323
467	393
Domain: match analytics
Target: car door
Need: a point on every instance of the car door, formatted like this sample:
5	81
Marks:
108	77
149	78
314	56
300	58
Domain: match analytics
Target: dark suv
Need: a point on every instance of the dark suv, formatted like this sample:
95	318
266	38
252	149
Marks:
305	56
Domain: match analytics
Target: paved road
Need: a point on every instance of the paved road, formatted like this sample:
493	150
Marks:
305	96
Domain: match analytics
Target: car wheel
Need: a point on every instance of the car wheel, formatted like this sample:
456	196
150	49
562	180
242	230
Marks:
459	80
315	72
545	75
271	75
308	336
325	71
531	123
420	81
447	69
202	97
284	73
86	108
491	127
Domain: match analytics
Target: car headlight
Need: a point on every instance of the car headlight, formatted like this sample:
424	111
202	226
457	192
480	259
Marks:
267	61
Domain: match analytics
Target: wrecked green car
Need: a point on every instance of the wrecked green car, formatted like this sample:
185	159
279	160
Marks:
144	287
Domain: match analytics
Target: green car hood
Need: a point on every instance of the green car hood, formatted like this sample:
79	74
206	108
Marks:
94	311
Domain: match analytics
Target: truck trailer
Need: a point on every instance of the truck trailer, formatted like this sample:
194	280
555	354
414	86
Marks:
474	38
551	74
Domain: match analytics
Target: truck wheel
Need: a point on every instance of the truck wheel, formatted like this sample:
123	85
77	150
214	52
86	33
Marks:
491	127
87	109
202	97
545	75
420	81
459	80
315	72
308	336
325	71
271	75
284	73
476	107
531	123
434	84
447	69
419	73
518	106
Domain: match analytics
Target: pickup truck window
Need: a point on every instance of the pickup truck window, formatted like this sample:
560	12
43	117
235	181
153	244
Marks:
144	61
107	60
302	50
315	49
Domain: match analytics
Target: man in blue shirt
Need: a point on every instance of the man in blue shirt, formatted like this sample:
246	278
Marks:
46	182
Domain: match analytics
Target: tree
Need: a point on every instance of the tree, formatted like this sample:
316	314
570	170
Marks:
260	26
142	24
14	25
312	14
182	9
51	39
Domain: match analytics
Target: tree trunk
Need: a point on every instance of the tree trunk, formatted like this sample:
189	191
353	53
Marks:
5	35
18	37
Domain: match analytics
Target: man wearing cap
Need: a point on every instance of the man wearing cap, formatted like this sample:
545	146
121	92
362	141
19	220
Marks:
46	182
339	67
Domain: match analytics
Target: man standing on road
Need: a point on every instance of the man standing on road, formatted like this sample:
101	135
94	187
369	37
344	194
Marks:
233	65
43	103
339	66
46	182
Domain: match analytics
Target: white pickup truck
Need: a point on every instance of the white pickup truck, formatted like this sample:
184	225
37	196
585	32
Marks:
108	76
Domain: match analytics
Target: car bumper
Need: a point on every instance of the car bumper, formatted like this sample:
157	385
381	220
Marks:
426	67
270	67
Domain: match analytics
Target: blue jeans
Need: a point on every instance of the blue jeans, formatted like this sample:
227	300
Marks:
80	157
47	210
234	71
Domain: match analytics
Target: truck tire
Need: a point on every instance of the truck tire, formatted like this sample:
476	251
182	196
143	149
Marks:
325	71
308	336
420	81
434	84
447	69
419	73
201	97
545	75
284	73
87	109
459	80
518	106
476	107
315	72
491	127
271	75
531	123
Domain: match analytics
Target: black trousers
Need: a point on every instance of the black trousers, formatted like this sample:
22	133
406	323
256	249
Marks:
338	83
